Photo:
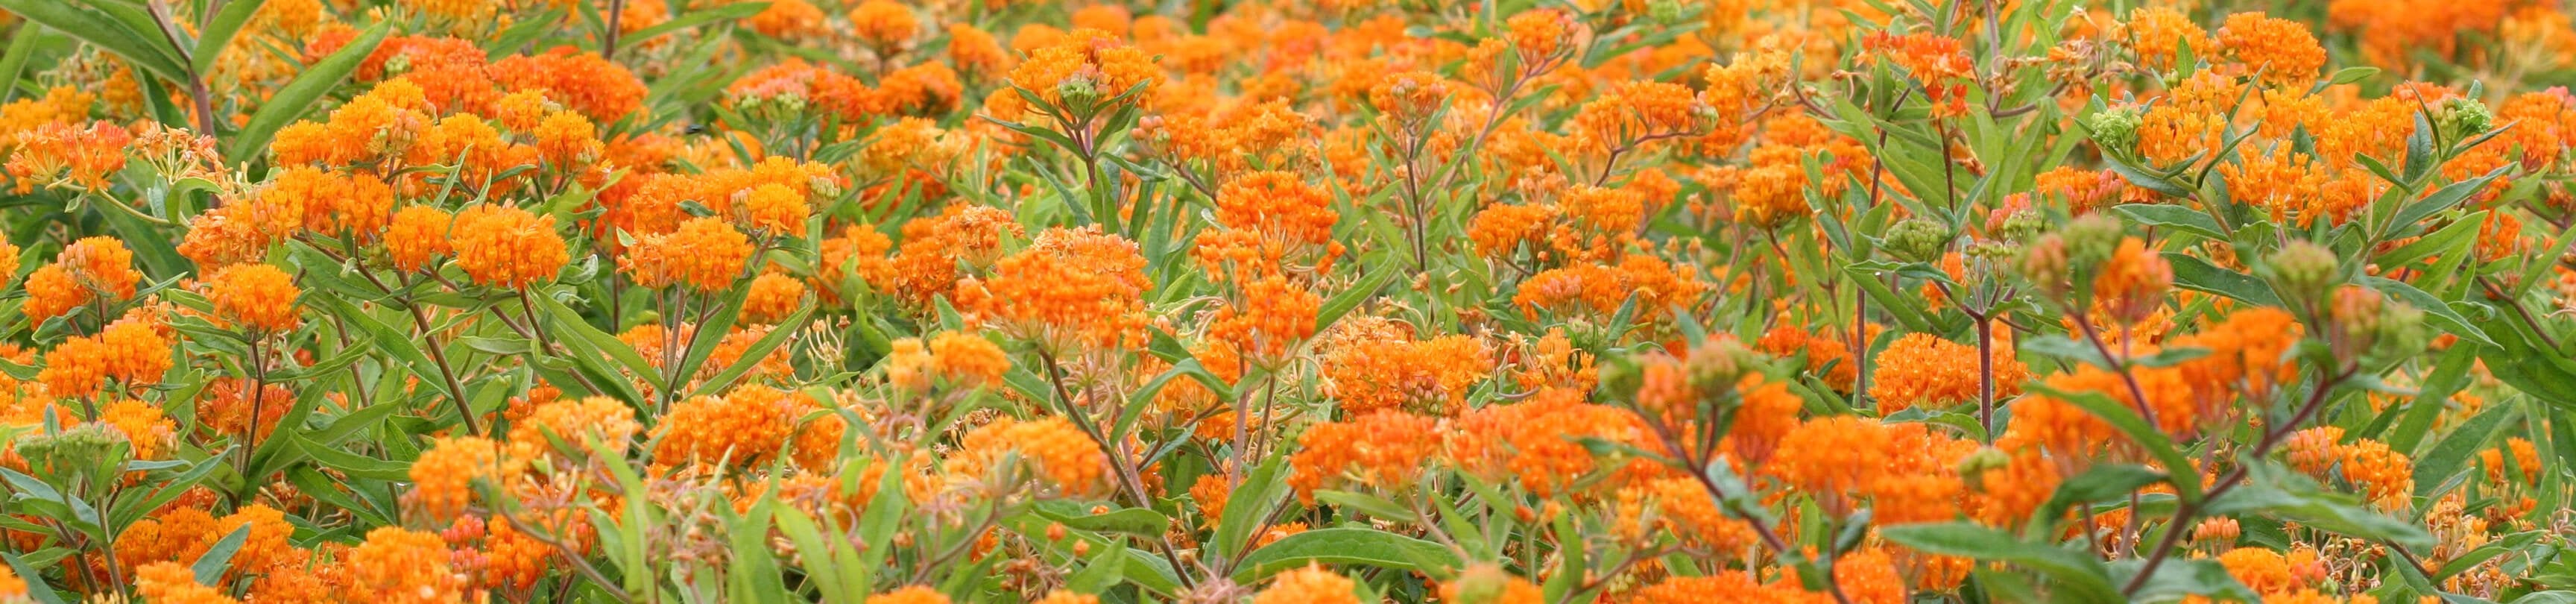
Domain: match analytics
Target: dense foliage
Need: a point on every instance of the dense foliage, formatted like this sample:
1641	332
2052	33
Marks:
1514	301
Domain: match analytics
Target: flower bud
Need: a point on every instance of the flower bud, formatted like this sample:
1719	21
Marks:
1916	240
1715	366
2303	272
2045	263
2091	240
1973	467
2115	128
1482	583
2460	118
82	454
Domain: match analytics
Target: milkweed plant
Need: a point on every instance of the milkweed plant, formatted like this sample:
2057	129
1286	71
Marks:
1287	301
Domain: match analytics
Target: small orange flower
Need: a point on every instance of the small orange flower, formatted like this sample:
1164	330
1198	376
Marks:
1309	585
443	478
418	235
1065	457
704	253
504	246
400	566
773	297
576	422
257	297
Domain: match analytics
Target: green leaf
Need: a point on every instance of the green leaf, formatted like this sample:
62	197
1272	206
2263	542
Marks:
2111	411
2435	310
2350	75
2101	483
2192	273
22	45
2078	576
2278	494
144	48
752	355
695	17
299	95
2451	454
561	320
210	566
1263	490
2141	178
2178	577
220	31
1350	299
36	587
1365	547
2172	216
1132	521
1103	572
2452	239
393	343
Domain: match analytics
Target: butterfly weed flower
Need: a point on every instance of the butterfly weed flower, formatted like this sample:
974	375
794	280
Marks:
1310	585
1070	287
1062	455
744	428
909	595
257	297
1086	68
62	155
577	424
443	478
417	236
225	406
403	566
2280	52
77	367
884	26
704	254
1920	369
508	247
1382	450
173	583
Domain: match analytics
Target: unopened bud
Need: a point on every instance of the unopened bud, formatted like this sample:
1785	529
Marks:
2115	129
2092	239
2460	118
1482	583
1973	467
2302	271
1917	240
